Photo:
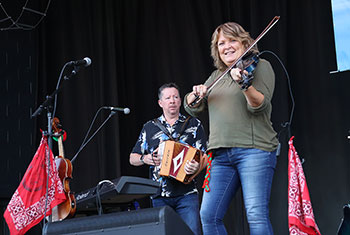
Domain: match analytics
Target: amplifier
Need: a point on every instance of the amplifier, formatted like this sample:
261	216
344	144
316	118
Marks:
155	221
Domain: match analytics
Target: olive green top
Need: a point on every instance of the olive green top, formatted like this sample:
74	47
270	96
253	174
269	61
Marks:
234	123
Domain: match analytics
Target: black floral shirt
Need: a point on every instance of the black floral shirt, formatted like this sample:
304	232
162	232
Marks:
150	137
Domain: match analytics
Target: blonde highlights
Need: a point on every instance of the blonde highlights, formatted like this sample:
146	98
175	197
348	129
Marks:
230	30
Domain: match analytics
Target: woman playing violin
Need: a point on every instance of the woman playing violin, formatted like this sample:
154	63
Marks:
241	137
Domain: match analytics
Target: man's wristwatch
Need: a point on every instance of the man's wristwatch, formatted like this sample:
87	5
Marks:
141	158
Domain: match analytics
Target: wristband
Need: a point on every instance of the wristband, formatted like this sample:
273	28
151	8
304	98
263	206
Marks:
141	158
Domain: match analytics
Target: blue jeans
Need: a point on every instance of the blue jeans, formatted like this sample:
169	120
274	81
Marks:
186	206
251	169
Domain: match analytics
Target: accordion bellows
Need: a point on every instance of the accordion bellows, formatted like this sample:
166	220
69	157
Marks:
175	155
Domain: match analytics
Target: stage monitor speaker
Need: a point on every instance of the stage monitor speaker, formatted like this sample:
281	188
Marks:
155	221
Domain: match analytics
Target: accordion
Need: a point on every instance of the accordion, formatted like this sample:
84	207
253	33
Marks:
175	156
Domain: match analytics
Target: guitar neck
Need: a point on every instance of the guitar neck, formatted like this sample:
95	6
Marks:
60	146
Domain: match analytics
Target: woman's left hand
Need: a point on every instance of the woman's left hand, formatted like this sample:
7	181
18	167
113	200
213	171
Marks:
236	74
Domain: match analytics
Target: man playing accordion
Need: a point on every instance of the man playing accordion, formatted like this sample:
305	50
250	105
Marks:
171	125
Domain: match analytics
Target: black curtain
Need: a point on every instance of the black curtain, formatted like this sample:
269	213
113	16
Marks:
136	46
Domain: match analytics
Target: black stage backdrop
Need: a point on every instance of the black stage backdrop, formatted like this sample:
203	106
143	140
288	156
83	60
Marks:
136	46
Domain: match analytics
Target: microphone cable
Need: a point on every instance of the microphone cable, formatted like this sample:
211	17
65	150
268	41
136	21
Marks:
57	86
98	195
285	125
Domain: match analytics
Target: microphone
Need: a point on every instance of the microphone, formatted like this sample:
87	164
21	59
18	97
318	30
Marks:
125	110
85	62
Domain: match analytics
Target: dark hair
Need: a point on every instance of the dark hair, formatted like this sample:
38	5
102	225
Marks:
167	85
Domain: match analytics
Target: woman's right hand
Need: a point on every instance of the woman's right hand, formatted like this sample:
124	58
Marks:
197	91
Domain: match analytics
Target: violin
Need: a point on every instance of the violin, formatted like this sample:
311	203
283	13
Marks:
251	63
248	64
65	169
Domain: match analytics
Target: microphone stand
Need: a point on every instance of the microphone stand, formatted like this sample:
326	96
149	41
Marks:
74	71
97	130
47	104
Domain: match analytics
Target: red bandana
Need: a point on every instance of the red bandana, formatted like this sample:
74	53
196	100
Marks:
27	205
300	214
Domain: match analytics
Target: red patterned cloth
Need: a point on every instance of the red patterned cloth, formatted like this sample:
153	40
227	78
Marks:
300	214
207	175
27	205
